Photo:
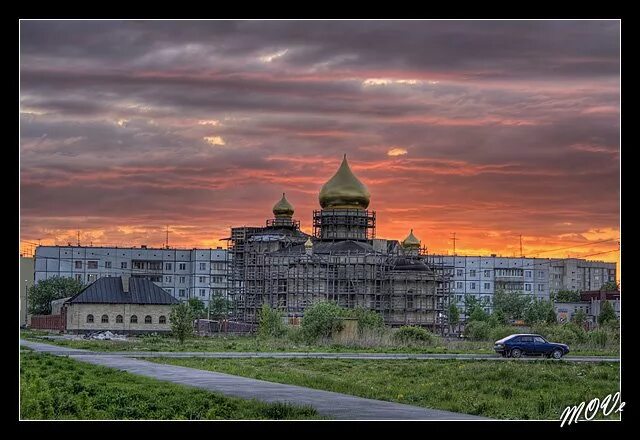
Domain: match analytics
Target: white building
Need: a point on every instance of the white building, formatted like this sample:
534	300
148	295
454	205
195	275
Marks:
183	273
538	277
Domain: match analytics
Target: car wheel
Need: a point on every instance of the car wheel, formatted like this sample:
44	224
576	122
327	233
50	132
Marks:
557	354
516	353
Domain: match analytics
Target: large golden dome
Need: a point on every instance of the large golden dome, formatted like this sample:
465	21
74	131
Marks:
411	241
283	208
344	190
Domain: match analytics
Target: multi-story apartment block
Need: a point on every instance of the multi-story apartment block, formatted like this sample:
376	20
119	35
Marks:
183	273
538	277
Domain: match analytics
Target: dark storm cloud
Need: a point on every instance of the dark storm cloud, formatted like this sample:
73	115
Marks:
203	123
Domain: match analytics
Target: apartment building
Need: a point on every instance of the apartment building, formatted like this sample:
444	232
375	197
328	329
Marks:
183	273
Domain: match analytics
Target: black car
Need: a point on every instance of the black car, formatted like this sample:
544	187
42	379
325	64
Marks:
529	344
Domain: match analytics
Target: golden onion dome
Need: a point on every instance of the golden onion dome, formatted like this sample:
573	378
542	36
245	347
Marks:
283	208
344	190
308	244
411	240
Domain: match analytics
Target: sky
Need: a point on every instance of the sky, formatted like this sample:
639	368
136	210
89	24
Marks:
489	129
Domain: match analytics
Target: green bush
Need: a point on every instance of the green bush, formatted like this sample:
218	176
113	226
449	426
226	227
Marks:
270	324
322	320
598	338
367	319
295	334
413	334
565	333
477	330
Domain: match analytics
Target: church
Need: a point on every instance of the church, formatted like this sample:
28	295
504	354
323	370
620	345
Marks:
342	261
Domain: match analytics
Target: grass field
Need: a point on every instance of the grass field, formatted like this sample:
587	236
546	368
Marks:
501	390
253	343
59	388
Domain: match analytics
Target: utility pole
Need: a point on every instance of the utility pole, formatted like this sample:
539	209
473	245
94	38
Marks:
454	243
520	245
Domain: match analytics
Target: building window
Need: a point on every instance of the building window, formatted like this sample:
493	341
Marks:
123	265
105	319
203	266
147	319
487	286
134	319
92	277
182	280
473	286
218	266
78	264
540	273
459	272
107	264
202	292
183	266
540	287
472	273
410	301
168	266
90	319
181	292
459	285
218	280
79	277
119	319
201	279
168	279
487	273
92	264
527	273
527	287
162	320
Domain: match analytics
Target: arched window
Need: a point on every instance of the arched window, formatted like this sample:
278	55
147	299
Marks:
119	319
134	319
162	320
147	319
90	319
105	319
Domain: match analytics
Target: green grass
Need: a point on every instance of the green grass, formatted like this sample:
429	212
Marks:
60	388
497	389
256	344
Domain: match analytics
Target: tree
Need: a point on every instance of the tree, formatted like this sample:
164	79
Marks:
607	314
181	318
453	316
270	323
218	307
579	318
567	296
610	285
537	311
41	294
198	308
552	318
511	304
478	314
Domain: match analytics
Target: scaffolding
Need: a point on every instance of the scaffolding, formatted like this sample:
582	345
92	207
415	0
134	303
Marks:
277	270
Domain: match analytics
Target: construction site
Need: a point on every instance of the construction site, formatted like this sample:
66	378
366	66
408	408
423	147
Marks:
342	261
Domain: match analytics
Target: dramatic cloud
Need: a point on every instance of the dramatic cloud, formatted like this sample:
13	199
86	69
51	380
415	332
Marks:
490	129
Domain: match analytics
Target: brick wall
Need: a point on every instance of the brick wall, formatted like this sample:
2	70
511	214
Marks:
77	317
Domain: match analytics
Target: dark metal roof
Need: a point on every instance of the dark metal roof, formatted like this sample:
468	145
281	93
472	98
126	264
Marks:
108	290
342	246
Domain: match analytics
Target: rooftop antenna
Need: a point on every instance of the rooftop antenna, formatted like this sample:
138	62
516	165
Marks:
78	237
166	244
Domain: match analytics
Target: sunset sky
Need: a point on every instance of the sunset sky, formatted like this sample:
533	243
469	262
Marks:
487	129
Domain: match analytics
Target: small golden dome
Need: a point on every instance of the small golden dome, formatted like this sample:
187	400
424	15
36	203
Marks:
411	241
344	190
283	208
308	244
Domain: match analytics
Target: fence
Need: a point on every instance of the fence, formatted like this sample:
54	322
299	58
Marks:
208	327
47	322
